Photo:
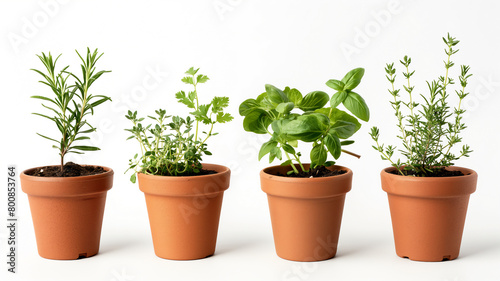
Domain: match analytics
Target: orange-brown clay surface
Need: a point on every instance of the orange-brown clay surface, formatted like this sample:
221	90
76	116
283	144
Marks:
428	214
67	213
306	213
184	212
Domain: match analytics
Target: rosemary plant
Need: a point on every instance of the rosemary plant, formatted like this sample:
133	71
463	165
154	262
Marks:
428	130
72	102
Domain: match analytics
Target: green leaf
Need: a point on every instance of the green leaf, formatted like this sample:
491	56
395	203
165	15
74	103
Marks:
286	163
335	84
192	95
307	128
338	98
318	155
347	142
293	95
201	78
219	103
332	142
224	117
96	103
288	148
343	129
314	100
188	80
275	153
202	114
47	137
182	98
278	125
285	107
329	163
275	95
133	178
293	143
192	71
264	102
247	106
45	98
339	115
353	78
357	106
45	116
257	122
85	148
266	148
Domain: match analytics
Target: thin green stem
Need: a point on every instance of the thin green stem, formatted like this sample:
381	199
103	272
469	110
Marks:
291	164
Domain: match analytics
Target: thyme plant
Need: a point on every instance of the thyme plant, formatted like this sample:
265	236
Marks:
174	146
323	127
72	102
428	130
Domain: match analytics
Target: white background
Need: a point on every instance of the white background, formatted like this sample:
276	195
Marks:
241	45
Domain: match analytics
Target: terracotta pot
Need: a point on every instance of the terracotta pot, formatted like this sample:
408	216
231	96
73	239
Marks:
67	213
306	213
428	214
184	212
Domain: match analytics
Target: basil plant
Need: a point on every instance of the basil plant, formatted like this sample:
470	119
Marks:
288	117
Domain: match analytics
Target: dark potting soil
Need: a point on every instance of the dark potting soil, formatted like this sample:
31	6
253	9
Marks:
70	169
202	172
319	172
436	174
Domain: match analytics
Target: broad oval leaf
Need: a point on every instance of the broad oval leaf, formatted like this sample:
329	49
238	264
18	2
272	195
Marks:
275	95
264	102
357	106
285	107
294	96
314	100
257	122
307	128
248	106
338	98
339	115
335	84
343	129
266	148
275	153
318	155
352	79
288	148
332	142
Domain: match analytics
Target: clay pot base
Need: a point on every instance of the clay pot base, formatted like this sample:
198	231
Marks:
306	213
79	257
437	259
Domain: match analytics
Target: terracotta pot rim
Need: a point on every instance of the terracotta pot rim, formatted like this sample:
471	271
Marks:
466	171
186	186
306	188
58	186
264	172
77	178
429	187
182	178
